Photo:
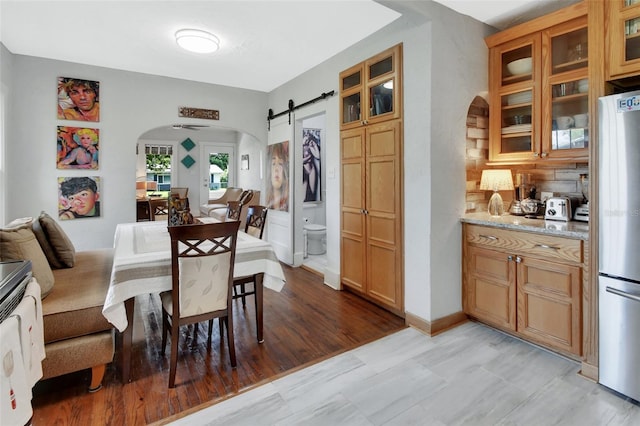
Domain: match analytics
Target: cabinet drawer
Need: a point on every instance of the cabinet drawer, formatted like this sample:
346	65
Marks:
516	242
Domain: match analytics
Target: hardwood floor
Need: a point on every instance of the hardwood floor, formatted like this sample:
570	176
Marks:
305	323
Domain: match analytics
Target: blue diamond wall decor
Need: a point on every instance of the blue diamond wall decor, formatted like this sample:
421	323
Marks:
188	161
188	144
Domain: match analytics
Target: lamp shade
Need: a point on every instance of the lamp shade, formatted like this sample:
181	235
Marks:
496	180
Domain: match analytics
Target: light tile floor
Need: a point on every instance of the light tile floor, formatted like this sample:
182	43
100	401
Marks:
470	375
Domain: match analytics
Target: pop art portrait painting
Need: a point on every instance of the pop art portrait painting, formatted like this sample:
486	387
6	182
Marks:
78	197
78	148
78	99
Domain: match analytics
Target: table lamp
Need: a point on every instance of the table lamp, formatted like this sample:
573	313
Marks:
496	180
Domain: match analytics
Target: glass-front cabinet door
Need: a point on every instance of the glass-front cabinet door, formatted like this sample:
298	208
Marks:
383	101
514	71
565	129
623	38
351	96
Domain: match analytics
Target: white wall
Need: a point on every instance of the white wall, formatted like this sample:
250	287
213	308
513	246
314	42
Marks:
131	104
6	67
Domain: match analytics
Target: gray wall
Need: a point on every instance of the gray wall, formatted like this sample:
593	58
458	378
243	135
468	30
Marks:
131	104
445	67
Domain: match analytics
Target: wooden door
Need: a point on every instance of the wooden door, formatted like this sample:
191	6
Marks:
383	212
549	303
491	287
352	201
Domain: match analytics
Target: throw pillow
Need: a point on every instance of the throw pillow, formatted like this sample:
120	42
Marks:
18	242
62	246
48	251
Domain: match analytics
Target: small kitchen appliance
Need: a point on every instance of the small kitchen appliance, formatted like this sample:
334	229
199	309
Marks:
581	212
560	208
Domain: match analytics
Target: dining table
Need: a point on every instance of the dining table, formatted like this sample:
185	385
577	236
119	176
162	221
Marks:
142	265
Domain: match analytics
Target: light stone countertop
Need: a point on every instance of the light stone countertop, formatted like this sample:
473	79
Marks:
572	229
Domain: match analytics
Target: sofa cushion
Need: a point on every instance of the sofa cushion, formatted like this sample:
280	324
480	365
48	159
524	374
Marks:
61	244
74	307
18	242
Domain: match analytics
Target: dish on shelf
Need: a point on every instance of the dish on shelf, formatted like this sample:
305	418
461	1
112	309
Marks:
520	66
518	119
517	128
519	98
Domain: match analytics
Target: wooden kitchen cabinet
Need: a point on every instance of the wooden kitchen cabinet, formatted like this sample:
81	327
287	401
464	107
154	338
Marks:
542	112
371	227
622	38
524	283
370	92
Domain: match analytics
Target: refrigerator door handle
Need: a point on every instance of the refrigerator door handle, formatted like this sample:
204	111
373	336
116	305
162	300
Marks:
621	293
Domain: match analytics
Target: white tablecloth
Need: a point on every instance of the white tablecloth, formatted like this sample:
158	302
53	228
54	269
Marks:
142	265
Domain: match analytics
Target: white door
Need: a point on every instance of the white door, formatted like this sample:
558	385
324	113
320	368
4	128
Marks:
210	178
279	183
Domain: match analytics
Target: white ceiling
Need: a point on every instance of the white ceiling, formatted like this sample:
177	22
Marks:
264	43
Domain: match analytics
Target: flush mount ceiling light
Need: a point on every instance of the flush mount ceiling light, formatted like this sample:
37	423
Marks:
197	41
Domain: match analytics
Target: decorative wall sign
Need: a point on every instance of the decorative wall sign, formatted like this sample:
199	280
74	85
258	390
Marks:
78	99
208	114
188	144
188	161
78	197
77	148
244	162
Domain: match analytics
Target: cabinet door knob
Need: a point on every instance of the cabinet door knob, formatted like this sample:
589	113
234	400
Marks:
509	258
535	154
544	154
489	237
518	259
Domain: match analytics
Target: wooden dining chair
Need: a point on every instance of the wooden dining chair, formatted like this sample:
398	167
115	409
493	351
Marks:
202	261
256	220
233	210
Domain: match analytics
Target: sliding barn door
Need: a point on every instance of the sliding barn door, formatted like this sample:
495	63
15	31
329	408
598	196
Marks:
279	197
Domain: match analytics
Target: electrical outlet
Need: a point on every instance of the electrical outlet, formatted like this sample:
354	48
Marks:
544	195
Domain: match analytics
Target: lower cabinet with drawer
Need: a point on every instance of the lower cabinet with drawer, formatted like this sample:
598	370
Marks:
527	284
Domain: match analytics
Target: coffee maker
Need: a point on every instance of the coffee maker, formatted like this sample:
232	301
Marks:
516	206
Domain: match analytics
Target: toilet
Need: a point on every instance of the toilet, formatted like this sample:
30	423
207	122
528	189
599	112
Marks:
315	238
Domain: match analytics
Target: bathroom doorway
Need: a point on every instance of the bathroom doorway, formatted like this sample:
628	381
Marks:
312	191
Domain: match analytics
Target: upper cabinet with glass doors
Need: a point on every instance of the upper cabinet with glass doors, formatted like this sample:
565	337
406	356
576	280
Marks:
368	90
538	90
622	38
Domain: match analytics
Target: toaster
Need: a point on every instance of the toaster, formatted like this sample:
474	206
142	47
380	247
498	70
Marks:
560	208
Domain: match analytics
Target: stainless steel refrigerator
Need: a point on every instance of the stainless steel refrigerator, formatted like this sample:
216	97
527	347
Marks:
619	242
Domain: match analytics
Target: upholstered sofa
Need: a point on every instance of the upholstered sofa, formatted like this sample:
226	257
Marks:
247	198
73	286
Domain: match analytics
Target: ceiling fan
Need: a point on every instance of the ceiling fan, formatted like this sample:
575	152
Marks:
188	126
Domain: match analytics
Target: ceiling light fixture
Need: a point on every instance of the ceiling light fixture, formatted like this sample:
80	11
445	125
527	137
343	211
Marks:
197	41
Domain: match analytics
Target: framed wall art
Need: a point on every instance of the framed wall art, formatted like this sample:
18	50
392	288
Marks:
78	148
78	197
78	99
311	164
